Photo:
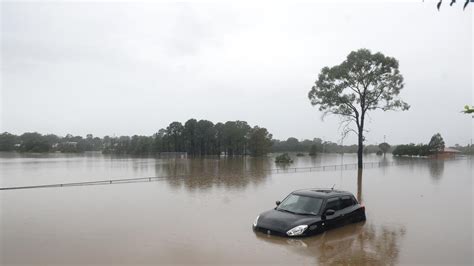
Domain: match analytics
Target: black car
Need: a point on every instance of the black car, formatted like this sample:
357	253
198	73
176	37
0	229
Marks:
310	211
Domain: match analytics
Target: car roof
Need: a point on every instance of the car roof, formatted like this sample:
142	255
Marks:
321	192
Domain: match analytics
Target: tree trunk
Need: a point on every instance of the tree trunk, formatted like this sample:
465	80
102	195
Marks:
359	185
360	148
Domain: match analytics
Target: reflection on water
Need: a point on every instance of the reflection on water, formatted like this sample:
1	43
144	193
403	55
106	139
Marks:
355	244
205	173
436	169
202	213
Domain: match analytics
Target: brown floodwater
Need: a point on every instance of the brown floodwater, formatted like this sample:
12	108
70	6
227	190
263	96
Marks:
418	211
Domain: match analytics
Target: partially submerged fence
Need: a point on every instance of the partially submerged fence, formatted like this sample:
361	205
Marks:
282	170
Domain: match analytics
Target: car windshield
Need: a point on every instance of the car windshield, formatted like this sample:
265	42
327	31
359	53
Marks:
301	204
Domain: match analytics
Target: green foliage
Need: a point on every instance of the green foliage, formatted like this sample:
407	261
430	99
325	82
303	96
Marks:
313	150
468	109
283	158
196	138
8	141
260	141
293	145
412	150
384	147
436	143
34	142
363	82
299	154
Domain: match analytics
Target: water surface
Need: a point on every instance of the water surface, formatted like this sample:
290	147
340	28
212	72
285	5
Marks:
419	211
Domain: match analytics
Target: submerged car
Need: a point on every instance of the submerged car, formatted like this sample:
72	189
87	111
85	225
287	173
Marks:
310	211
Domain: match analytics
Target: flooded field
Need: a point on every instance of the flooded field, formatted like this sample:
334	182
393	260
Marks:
418	211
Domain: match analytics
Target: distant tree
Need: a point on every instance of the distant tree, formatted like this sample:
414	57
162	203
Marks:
8	141
34	142
384	147
235	137
293	144
363	82
260	141
436	143
219	143
189	133
283	159
412	150
314	150
205	134
175	136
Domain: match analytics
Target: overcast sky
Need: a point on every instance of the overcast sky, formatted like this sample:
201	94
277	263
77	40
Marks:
129	68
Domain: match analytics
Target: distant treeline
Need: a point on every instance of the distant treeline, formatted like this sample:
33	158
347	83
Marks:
197	138
435	145
317	145
194	137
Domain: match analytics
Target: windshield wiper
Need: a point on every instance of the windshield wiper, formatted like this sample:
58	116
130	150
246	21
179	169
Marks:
309	213
298	213
285	210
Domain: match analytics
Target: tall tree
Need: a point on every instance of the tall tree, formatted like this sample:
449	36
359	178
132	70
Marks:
436	143
189	134
175	133
362	83
205	134
384	147
260	141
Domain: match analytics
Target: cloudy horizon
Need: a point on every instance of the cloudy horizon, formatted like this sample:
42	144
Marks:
133	68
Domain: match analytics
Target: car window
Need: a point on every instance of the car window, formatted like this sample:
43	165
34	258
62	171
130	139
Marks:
347	202
301	204
333	204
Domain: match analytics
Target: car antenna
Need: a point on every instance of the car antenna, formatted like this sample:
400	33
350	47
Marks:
333	187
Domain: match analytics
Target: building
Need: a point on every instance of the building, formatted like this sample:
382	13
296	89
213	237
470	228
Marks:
446	153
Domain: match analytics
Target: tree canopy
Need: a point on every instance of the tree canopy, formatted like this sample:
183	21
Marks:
362	83
436	143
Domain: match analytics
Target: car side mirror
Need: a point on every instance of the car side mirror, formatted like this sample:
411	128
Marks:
329	212
277	202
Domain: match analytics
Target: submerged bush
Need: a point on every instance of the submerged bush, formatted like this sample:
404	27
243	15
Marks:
283	158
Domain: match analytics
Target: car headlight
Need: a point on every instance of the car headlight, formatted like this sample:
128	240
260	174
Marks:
256	220
297	230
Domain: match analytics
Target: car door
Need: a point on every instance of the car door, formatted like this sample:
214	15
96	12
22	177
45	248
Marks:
335	219
348	210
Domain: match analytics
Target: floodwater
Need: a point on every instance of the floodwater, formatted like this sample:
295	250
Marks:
418	212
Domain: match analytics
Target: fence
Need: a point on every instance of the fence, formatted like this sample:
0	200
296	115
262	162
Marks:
282	170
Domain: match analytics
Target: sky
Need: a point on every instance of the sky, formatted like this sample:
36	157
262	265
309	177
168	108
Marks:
123	68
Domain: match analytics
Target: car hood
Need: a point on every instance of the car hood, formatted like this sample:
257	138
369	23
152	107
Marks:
283	221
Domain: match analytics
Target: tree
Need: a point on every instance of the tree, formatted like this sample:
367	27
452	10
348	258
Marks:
362	83
205	134
34	142
189	134
7	141
314	150
175	133
260	141
384	147
436	143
